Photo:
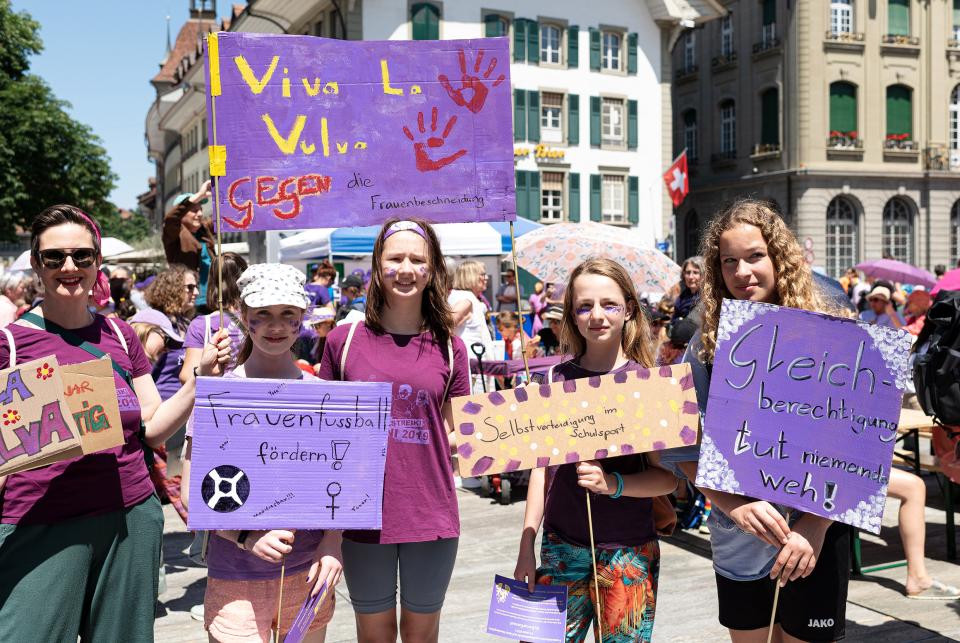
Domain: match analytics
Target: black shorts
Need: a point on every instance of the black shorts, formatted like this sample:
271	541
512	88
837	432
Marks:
812	608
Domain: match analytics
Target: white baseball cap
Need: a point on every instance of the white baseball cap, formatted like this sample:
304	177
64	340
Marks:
272	284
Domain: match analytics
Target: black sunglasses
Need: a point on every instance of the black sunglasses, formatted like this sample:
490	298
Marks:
192	287
54	258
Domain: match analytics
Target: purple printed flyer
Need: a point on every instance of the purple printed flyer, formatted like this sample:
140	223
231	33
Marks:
291	454
305	617
803	411
313	132
517	614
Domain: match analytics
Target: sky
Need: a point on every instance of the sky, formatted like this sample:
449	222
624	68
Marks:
100	55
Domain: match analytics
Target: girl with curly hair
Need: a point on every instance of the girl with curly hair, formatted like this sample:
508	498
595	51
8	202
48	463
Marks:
173	293
605	329
750	254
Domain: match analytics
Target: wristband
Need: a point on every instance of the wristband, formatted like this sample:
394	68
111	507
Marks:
242	539
619	492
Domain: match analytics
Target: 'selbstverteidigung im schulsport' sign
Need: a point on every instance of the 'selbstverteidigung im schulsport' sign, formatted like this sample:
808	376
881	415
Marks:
803	411
312	132
272	454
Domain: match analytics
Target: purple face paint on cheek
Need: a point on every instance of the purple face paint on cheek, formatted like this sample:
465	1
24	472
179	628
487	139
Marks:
424	271
391	273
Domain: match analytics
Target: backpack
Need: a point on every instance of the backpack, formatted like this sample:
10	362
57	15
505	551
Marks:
936	372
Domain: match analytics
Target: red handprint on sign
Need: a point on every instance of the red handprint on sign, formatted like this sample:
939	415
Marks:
471	83
424	162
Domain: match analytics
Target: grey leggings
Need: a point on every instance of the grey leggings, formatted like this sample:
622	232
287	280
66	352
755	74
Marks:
425	571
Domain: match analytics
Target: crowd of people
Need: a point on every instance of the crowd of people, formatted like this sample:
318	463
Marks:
86	533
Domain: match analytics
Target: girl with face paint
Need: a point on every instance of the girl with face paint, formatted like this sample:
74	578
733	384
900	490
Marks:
407	339
243	566
604	328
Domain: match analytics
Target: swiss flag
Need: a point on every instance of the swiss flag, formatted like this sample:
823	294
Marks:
676	179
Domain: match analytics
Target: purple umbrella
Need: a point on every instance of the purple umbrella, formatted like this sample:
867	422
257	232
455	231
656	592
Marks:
897	271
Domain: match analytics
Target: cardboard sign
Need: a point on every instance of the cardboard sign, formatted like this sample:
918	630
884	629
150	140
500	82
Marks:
803	411
35	420
313	132
91	391
575	420
271	454
517	614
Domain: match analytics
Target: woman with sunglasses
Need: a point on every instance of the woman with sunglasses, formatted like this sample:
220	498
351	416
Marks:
80	539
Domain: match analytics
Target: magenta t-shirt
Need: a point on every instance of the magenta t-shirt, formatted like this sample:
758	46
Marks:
92	484
225	560
419	498
620	522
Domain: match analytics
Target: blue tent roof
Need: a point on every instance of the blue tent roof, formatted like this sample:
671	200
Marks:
353	241
520	227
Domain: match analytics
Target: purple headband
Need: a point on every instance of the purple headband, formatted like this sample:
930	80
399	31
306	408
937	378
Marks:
101	289
402	226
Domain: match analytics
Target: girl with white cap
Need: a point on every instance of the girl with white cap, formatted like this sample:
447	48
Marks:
244	566
406	339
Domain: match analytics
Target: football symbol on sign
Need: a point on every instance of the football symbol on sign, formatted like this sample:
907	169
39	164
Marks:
225	488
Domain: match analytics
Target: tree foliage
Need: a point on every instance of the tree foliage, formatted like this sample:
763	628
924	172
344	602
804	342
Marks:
46	157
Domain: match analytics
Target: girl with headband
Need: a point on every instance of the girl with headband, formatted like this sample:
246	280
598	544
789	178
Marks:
84	534
407	339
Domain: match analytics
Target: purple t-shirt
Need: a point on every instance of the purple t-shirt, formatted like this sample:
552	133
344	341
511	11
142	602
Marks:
621	522
228	562
92	484
194	337
166	372
320	295
419	499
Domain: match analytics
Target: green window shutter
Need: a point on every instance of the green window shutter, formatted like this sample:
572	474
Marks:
523	202
594	49
573	119
533	116
519	40
533	42
493	25
899	111
632	53
573	197
956	13
770	117
633	199
573	46
426	21
898	15
769	12
519	115
631	124
843	107
596	207
533	195
595	121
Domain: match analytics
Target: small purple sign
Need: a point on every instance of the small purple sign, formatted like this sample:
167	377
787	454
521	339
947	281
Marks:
314	132
305	617
290	454
517	614
803	411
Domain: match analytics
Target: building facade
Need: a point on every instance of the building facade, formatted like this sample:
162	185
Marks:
842	112
591	90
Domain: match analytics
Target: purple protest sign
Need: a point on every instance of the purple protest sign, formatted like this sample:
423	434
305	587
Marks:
312	132
803	411
271	454
515	613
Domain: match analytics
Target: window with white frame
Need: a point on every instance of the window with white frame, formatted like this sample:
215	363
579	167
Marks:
726	36
841	16
728	129
612	51
690	134
550	44
551	117
842	236
955	127
897	237
689	50
613	199
551	197
611	120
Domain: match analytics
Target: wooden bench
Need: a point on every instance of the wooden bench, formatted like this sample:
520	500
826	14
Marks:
913	425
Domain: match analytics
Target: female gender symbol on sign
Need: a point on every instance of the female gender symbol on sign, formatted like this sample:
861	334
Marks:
333	490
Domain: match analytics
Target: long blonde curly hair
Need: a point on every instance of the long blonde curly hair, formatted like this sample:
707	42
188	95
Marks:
794	280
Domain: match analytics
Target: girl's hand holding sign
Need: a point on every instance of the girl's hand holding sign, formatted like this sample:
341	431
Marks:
327	567
216	354
271	546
